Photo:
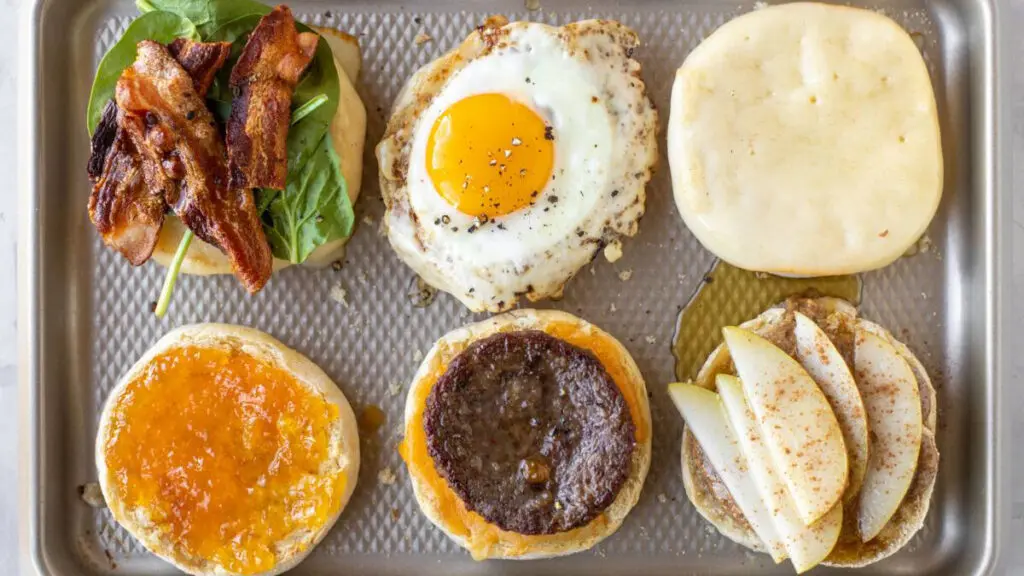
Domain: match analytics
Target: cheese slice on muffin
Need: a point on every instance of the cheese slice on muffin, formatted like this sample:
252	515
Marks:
803	140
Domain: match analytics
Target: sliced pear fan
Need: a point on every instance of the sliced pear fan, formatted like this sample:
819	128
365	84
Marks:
806	545
819	356
702	409
800	430
893	405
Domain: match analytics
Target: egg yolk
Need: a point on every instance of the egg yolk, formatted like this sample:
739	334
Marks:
224	452
489	155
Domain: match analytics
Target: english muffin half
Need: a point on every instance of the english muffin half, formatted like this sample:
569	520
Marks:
845	330
527	435
225	452
803	140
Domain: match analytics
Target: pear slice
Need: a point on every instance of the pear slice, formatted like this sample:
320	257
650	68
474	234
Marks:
800	430
702	409
806	545
819	356
893	404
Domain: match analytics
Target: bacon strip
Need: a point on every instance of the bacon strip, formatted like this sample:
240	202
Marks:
127	216
127	204
102	140
263	81
168	122
202	60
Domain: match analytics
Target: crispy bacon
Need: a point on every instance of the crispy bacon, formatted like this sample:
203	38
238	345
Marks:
263	81
202	60
167	121
127	204
127	215
102	140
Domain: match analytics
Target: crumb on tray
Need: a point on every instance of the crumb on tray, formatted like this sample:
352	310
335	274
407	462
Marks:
386	476
339	295
613	251
91	494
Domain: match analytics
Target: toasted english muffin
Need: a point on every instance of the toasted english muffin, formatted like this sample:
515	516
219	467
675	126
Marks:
448	511
196	434
347	132
713	501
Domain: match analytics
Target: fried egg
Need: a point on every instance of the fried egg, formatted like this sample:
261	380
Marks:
511	160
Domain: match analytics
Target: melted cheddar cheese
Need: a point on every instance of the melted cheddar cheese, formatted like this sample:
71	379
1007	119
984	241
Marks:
482	538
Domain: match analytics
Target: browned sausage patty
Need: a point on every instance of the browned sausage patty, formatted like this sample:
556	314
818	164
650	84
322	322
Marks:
530	431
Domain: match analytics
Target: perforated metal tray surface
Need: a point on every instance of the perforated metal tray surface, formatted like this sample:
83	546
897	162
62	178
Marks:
93	318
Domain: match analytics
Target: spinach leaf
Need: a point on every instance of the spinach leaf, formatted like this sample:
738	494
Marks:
208	15
237	33
171	277
160	26
312	210
320	79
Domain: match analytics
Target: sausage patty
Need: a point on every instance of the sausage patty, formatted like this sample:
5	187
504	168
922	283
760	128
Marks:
531	432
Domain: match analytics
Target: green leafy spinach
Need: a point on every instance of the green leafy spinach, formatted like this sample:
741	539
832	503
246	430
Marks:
207	15
313	209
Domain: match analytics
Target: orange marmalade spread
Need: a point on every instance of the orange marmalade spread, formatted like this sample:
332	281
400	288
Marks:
223	452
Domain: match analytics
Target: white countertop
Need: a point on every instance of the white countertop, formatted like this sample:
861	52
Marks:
1012	539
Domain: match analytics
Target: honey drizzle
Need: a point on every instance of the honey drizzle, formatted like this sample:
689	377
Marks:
729	296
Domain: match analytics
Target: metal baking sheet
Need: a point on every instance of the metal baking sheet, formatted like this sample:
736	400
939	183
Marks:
86	313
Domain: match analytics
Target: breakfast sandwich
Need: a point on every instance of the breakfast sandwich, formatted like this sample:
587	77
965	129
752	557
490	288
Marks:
527	435
810	435
225	452
803	140
510	161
